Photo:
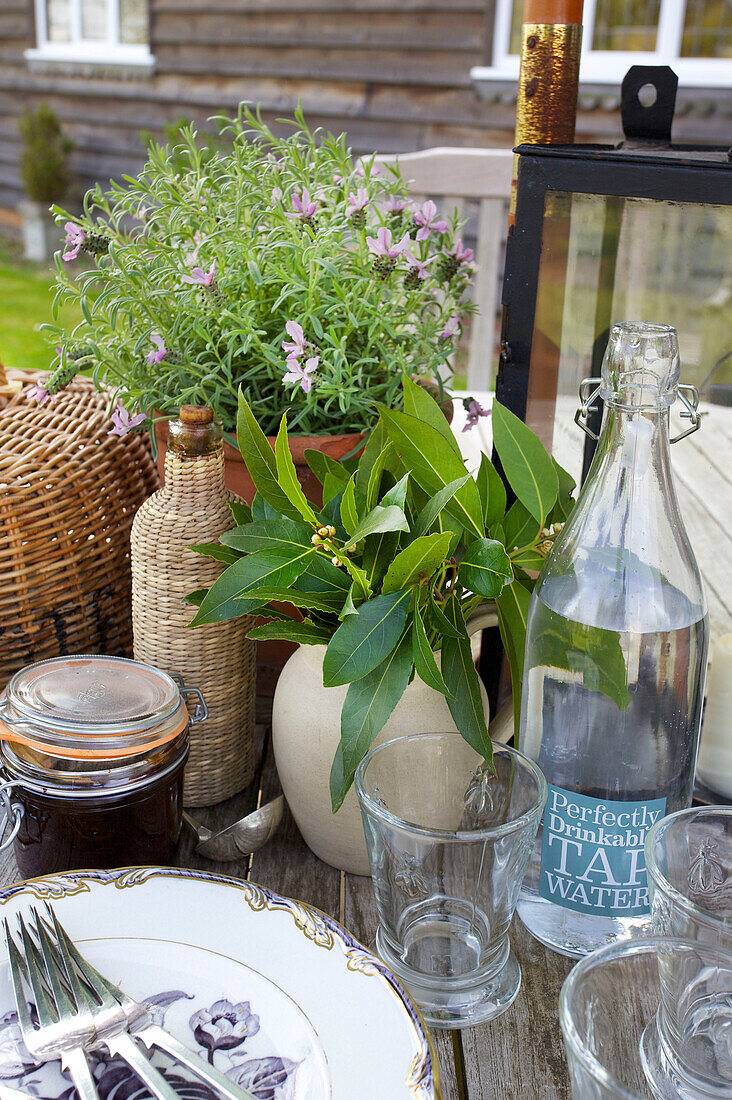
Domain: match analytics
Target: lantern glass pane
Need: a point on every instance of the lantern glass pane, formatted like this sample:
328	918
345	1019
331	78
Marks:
609	259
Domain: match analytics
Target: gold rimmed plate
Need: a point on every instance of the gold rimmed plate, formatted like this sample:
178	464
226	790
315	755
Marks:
274	993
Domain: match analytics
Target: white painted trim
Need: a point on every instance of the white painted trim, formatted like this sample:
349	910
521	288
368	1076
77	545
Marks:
610	66
92	53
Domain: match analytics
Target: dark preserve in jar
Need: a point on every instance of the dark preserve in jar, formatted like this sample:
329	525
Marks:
93	753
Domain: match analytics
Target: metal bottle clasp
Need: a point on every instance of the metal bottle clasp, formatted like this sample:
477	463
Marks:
201	711
588	391
590	387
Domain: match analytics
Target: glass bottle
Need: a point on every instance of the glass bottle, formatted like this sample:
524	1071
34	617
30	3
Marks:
616	657
193	508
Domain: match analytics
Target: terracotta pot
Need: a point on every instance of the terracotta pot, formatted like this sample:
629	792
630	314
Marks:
306	728
237	476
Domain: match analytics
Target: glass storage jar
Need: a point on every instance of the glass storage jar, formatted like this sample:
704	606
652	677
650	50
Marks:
92	751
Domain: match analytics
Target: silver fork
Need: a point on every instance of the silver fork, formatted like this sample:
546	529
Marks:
70	1015
120	1011
63	1023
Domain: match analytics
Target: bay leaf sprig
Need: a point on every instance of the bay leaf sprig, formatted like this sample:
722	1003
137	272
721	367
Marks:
387	571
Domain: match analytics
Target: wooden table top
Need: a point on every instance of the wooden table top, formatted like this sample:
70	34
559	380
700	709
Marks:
519	1056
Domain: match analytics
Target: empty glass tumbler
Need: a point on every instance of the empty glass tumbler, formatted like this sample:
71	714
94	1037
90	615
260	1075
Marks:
649	1018
689	861
449	843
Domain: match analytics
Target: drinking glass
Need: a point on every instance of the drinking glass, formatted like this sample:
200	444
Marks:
689	862
647	1018
449	842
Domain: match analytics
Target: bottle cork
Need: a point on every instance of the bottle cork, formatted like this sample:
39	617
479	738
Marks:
196	414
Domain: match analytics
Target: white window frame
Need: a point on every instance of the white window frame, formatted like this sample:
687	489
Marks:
610	66
109	51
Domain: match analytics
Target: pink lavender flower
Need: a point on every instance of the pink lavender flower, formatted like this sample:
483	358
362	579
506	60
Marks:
475	411
297	347
381	244
460	254
304	206
40	393
427	221
75	237
374	170
199	277
123	422
385	252
357	203
276	194
417	268
300	374
337	178
396	204
154	357
452	327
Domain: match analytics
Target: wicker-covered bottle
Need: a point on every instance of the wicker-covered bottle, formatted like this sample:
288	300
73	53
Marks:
192	508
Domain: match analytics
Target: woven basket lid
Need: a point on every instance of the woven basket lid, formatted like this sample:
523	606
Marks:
69	493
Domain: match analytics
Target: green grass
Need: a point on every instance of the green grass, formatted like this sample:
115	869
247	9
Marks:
26	295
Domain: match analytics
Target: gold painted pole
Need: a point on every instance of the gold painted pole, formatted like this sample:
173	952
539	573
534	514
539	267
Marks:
546	107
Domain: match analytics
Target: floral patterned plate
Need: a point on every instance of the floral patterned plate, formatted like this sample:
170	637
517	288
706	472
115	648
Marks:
274	993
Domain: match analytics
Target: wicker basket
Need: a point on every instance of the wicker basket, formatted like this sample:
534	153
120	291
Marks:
68	494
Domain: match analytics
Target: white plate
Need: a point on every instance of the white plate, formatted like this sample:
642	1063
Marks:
326	1020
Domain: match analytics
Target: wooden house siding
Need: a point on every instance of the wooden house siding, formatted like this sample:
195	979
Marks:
395	77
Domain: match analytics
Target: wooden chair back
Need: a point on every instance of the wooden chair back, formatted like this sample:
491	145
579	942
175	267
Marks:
461	178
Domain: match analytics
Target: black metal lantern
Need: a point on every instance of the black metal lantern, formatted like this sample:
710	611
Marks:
604	234
641	231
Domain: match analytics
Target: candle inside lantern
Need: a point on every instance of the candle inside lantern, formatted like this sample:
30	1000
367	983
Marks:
714	766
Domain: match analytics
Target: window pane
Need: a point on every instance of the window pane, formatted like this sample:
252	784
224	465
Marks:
517	13
133	21
58	20
94	19
627	24
707	29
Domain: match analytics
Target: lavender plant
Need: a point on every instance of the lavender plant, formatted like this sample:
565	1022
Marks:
280	266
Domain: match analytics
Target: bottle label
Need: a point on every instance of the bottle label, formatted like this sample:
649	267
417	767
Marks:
592	856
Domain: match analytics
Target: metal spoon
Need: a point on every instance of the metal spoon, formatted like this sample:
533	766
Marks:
245	836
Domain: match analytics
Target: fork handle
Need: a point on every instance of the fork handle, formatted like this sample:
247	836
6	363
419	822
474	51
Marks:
153	1035
75	1062
123	1045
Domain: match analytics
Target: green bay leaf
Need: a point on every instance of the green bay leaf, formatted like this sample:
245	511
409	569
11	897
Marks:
526	463
368	704
422	556
365	639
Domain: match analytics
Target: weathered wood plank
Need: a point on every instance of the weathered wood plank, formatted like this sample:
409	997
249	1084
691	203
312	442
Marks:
428	30
483	338
521	1054
14	24
194	7
470	173
394	66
